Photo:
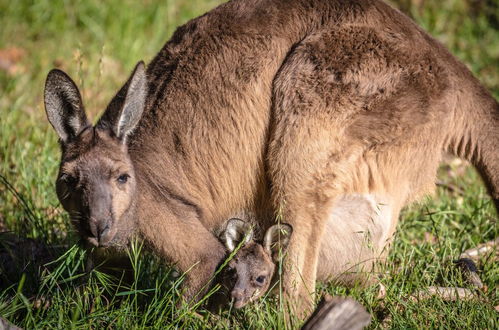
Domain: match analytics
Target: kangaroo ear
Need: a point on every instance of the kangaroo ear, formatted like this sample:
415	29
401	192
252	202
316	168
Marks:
125	110
64	106
277	239
237	231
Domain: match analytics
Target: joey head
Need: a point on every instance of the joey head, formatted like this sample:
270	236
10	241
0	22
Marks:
253	266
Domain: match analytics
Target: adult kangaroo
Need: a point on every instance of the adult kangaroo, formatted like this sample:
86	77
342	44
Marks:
279	108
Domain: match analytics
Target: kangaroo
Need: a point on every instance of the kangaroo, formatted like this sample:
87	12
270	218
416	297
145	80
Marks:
279	107
252	268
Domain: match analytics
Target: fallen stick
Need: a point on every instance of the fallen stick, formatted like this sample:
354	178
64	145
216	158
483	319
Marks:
476	253
445	293
338	313
451	188
470	272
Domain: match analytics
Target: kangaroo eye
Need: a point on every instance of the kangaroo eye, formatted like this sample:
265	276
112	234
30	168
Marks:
68	179
123	178
260	279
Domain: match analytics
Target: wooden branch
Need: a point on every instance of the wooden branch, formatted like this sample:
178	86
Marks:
338	313
480	250
453	189
445	293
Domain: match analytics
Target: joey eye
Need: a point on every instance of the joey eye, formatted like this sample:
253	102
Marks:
123	178
260	279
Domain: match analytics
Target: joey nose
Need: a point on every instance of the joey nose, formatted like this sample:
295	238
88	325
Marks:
237	293
238	297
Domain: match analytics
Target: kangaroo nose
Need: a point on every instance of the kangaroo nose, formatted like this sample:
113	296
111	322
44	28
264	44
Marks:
99	229
103	230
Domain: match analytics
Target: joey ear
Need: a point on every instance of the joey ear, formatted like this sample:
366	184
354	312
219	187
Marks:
277	239
125	110
237	231
64	106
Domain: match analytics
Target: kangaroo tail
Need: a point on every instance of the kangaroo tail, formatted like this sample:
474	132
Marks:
476	138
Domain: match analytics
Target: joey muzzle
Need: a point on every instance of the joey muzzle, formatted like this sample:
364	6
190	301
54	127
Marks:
239	297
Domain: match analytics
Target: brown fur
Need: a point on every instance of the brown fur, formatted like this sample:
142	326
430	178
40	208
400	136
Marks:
251	269
252	262
352	245
278	107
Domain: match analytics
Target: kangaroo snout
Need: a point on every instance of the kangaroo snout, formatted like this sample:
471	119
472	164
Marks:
101	215
100	230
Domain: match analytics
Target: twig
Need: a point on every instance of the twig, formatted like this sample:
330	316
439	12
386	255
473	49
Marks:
450	187
476	253
445	293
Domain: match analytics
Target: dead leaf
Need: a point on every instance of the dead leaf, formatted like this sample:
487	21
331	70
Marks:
10	58
381	292
430	238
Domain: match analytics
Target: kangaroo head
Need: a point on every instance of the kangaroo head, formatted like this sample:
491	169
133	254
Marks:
96	182
253	265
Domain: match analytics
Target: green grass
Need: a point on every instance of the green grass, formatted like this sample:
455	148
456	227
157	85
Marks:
98	45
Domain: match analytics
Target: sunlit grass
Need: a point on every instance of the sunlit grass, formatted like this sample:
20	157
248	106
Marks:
98	44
